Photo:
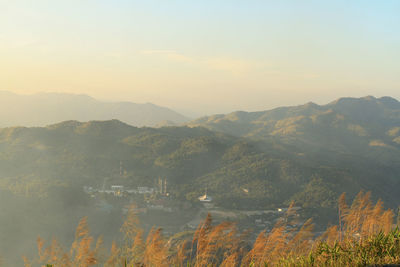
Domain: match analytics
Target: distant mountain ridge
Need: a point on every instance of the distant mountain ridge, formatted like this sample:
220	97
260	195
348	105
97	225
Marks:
48	108
375	121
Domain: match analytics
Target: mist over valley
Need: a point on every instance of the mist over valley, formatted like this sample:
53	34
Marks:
246	163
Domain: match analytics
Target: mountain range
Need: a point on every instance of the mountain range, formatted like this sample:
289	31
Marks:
48	108
346	125
308	153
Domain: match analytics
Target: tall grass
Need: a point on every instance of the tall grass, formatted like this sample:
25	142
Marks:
365	235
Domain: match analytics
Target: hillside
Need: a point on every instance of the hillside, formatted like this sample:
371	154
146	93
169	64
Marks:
48	108
239	173
347	125
43	171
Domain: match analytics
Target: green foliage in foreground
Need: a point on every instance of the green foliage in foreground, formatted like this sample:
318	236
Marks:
376	250
365	236
379	249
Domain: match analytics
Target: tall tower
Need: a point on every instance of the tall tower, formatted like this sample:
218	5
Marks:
160	185
104	184
120	169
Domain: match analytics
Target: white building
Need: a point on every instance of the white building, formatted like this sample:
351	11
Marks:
145	190
205	198
118	190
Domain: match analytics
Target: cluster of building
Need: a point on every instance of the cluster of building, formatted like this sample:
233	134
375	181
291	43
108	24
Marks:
120	190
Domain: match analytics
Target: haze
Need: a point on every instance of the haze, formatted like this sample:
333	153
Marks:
198	133
202	57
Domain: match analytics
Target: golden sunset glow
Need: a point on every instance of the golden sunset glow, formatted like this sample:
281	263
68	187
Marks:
207	56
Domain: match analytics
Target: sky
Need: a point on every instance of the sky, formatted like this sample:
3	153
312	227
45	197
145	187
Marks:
202	57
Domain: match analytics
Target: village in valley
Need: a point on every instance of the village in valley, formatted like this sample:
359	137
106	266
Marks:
156	203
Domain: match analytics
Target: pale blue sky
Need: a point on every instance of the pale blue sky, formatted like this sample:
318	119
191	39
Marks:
202	56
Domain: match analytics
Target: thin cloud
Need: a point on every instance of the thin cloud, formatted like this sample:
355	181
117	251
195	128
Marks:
157	52
169	54
179	57
235	66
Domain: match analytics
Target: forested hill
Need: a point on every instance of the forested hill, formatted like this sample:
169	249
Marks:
48	108
238	172
349	125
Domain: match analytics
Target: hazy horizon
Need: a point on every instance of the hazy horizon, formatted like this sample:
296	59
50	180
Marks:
202	58
190	114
